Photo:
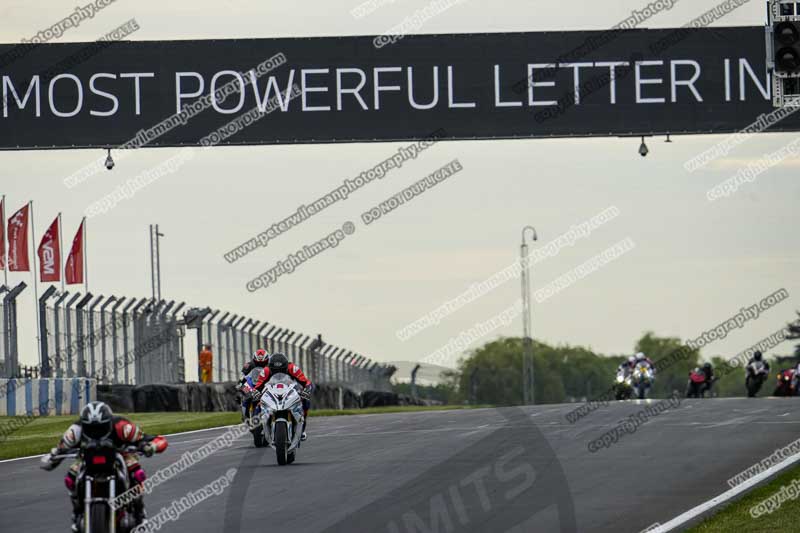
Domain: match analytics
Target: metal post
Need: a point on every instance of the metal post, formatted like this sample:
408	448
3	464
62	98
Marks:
93	337
528	397
158	261
114	351
230	338
236	332
137	320
251	337
325	353
273	338
345	367
220	328
126	353
103	351
166	360
242	356
80	342
57	334
174	344
337	364
45	362
68	327
10	307
152	263
265	340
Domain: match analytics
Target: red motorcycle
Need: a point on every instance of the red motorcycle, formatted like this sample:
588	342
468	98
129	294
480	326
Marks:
698	384
785	386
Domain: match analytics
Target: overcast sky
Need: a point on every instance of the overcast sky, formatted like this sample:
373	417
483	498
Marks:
694	263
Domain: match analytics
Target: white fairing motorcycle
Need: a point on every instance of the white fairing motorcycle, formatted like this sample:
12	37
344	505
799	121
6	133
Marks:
642	380
282	415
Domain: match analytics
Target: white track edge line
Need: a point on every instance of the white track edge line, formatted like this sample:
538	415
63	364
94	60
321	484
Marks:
725	496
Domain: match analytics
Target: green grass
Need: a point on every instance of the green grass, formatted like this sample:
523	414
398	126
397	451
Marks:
42	433
736	516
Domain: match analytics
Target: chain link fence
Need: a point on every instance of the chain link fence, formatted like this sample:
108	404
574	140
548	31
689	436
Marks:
137	341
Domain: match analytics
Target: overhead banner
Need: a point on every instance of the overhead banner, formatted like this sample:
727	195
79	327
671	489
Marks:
357	89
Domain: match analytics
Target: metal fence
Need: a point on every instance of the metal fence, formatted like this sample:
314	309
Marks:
9	353
120	340
233	338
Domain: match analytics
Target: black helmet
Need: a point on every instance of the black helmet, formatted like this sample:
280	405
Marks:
757	356
278	363
96	420
707	366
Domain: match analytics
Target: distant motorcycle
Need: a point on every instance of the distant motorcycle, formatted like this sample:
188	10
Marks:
642	380
756	374
784	385
623	387
252	409
282	415
698	384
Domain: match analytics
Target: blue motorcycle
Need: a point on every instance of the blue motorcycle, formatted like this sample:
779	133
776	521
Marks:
251	410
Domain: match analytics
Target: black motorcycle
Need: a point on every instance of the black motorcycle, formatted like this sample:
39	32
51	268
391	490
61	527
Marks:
102	477
756	375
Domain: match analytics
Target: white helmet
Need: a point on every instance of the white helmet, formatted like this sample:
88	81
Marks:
640	356
631	359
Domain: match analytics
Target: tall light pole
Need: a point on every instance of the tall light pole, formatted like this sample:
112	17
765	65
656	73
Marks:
155	260
528	397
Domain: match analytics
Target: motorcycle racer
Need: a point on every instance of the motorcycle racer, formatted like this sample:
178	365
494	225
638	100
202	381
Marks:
97	421
260	360
641	358
278	364
627	365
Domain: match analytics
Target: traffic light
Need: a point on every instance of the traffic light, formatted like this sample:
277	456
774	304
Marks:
786	37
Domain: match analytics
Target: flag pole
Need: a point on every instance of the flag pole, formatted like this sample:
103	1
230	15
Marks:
5	238
35	283
85	257
60	251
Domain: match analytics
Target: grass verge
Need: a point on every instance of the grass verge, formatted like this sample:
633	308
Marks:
736	516
32	436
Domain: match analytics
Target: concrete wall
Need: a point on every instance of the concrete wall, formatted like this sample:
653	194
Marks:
57	396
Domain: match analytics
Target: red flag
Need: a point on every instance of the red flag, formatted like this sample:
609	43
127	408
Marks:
73	270
18	241
2	235
50	255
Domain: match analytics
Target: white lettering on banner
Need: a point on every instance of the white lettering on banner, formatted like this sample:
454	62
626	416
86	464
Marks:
348	89
48	258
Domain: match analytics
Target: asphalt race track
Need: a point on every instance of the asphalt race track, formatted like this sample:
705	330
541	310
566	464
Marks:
519	469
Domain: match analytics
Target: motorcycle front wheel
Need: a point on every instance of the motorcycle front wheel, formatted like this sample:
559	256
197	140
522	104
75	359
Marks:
99	516
282	443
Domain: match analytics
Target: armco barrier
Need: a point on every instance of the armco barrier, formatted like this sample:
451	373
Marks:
387	399
208	397
31	397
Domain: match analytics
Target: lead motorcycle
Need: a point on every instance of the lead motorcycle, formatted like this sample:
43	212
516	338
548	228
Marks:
102	477
642	380
282	416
